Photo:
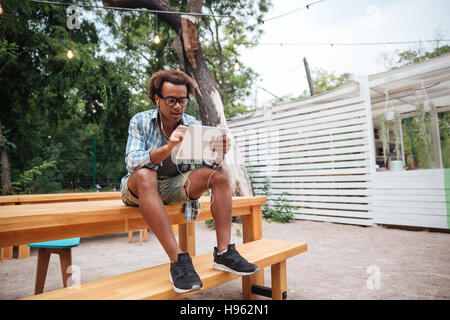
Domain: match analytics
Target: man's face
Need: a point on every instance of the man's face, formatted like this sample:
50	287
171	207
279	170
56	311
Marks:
174	113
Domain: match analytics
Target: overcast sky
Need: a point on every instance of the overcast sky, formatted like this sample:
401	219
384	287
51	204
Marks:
281	68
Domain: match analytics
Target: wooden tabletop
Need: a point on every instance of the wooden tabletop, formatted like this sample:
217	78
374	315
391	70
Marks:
30	223
57	197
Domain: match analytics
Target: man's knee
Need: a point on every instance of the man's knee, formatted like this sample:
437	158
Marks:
220	176
142	179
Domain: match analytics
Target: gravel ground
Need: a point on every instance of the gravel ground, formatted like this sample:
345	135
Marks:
342	262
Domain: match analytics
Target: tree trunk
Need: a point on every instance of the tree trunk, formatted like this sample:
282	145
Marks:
190	56
6	169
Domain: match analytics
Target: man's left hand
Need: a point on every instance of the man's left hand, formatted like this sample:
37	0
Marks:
221	146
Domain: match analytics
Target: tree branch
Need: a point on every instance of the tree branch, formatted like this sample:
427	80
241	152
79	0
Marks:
173	20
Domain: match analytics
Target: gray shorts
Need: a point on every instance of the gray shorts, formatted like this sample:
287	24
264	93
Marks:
171	190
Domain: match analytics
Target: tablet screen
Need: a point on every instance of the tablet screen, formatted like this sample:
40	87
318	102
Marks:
196	144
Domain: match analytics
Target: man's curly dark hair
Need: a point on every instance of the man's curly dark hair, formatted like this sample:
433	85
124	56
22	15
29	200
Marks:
173	76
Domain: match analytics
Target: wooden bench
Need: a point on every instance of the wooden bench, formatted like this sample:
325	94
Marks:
153	283
51	221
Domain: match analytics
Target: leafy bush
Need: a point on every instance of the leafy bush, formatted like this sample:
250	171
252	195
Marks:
27	179
281	213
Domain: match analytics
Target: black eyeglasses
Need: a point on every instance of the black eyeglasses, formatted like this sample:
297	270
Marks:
171	101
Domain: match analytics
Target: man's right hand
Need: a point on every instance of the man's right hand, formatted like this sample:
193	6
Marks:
176	137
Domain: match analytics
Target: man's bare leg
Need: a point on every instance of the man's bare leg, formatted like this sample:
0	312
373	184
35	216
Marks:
144	184
221	206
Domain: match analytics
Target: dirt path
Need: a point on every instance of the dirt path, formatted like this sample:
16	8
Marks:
342	262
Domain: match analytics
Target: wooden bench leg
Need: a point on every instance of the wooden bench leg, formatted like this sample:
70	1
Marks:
130	236
186	237
248	282
6	253
145	232
252	230
24	251
278	273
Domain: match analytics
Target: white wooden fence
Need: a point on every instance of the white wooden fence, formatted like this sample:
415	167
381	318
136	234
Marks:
319	150
412	198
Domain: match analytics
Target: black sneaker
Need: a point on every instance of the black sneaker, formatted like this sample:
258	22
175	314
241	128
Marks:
232	261
183	275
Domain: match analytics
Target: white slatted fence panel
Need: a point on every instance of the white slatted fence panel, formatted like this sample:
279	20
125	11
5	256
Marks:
320	154
411	198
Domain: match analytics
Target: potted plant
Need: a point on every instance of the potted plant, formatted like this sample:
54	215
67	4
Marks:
384	135
424	111
391	119
397	164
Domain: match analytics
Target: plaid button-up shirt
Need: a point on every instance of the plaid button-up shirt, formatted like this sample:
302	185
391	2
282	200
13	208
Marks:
144	136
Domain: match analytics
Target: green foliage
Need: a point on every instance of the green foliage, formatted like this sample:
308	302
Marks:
414	56
210	224
444	134
27	179
221	39
282	212
396	123
398	59
56	107
323	81
384	134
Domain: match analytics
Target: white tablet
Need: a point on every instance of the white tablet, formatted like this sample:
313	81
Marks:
196	144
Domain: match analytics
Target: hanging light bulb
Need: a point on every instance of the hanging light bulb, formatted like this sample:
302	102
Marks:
156	40
236	66
69	52
206	42
1	9
235	46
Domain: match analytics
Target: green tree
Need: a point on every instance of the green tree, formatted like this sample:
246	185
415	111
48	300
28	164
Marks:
49	97
323	81
133	36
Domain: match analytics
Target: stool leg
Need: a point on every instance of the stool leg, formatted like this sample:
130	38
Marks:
278	273
65	258
41	270
130	236
145	235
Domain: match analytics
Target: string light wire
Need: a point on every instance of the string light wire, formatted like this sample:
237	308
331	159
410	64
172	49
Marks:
292	44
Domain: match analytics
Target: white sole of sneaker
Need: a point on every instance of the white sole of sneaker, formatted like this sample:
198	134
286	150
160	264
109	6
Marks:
221	267
178	290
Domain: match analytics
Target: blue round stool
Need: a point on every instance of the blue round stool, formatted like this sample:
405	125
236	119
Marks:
63	248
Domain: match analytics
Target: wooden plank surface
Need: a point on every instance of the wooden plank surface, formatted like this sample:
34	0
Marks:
153	283
57	197
53	221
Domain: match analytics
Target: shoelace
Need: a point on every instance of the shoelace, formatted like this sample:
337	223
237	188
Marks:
236	256
186	266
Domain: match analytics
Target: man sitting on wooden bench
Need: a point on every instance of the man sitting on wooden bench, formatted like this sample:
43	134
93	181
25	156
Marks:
154	180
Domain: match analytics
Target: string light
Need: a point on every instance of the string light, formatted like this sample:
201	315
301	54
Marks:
69	53
156	39
390	43
1	9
